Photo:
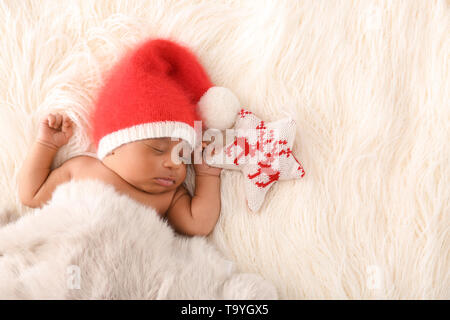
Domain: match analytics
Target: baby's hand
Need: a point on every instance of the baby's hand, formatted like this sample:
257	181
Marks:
204	169
55	130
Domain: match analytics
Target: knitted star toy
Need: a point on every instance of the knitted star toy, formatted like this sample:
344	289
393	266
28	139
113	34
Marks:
262	151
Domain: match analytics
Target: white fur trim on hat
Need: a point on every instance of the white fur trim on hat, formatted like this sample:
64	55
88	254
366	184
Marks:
218	108
159	129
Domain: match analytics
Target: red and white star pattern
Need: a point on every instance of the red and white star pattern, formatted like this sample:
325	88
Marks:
262	151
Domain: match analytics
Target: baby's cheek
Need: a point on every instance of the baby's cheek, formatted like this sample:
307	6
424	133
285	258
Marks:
183	172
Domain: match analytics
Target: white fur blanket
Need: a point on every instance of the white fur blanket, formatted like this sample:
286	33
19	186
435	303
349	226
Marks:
367	83
90	242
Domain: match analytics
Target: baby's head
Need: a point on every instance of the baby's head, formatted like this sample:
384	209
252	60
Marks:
145	163
156	92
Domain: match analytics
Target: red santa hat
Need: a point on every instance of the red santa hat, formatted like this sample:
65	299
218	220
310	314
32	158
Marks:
158	90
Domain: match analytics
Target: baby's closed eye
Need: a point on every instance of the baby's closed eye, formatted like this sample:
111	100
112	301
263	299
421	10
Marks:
157	150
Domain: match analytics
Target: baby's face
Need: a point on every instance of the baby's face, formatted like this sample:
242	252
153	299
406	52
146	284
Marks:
141	163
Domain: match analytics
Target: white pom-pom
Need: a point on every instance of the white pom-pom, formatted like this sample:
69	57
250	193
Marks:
218	108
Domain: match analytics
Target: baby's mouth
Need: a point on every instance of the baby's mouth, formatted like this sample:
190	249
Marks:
165	182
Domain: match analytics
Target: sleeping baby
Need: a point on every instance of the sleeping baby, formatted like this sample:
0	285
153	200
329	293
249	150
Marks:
142	125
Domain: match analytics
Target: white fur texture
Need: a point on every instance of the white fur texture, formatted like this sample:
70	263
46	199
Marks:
367	83
91	242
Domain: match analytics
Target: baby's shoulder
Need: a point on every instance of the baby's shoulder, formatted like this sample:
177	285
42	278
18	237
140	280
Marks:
179	192
81	161
82	166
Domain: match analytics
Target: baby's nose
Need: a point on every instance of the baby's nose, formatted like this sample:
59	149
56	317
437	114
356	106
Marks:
169	162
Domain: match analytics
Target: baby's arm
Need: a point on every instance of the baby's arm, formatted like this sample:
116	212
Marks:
35	181
198	215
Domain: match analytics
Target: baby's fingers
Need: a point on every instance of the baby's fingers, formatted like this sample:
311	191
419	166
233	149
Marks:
67	125
58	121
54	120
66	121
50	120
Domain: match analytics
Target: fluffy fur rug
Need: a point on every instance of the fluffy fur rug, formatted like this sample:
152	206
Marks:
366	81
91	242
